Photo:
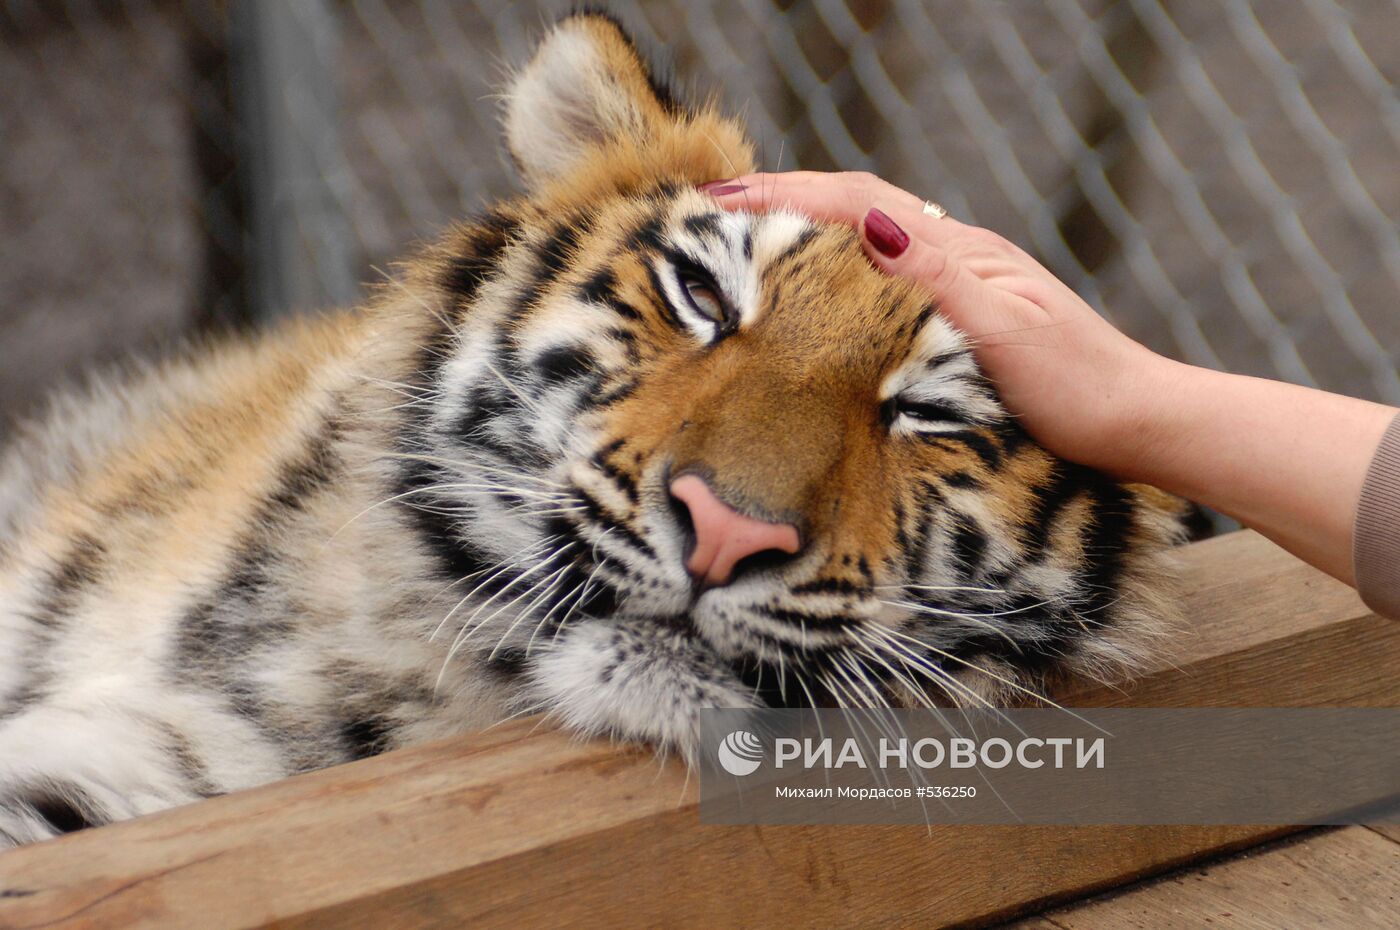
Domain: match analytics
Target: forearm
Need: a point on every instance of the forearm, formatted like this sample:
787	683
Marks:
1285	460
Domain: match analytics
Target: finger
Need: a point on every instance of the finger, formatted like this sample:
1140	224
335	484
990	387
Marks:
837	197
968	302
981	252
843	197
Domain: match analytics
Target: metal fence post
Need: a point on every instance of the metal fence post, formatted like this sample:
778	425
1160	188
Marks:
300	244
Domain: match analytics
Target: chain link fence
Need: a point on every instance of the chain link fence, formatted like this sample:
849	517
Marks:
1218	176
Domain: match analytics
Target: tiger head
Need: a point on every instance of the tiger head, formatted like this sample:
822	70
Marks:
684	457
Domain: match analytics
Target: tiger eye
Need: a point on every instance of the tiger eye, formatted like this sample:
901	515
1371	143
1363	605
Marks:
704	299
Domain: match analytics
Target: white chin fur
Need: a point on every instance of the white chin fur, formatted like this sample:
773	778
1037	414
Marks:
632	678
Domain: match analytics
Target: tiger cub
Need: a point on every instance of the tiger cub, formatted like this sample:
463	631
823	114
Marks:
604	452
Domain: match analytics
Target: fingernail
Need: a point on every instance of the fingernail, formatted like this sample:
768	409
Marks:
721	188
884	233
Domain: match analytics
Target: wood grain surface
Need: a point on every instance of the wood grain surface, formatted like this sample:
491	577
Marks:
1344	879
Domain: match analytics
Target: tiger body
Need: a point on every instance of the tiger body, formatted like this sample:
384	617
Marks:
377	528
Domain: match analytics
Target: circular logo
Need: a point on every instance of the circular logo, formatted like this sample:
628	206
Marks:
740	753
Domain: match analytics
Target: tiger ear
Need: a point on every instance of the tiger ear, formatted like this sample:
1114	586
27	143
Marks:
586	85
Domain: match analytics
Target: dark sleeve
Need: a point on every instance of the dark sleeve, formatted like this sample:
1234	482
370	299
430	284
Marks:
1377	540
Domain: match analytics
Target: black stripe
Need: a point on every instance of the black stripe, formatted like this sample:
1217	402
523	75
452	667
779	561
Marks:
601	288
943	358
980	443
901	531
626	337
557	249
488	404
1011	436
559	364
803	239
607	449
961	479
620	391
646	236
969	542
920	322
829	586
704	224
220	632
624	481
483	404
600	514
438	347
1105	540
217	633
79	567
915	548
477	255
512	449
663	302
507	662
551	258
63	808
456	557
803	618
191	767
300	478
1032	637
666	188
366	736
1050	499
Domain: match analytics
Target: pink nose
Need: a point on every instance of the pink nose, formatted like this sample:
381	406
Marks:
723	536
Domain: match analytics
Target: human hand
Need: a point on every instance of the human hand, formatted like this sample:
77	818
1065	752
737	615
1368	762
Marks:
1078	385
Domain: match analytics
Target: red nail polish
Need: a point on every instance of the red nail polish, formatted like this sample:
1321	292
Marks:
721	188
884	233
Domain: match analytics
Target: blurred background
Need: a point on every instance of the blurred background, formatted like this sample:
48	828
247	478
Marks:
1218	176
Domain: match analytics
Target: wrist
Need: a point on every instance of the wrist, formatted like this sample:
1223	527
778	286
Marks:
1146	406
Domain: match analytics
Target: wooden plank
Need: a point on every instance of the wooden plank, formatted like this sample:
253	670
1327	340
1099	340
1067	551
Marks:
514	827
1390	831
1339	878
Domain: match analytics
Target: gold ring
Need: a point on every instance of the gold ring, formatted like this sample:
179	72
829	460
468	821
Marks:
934	210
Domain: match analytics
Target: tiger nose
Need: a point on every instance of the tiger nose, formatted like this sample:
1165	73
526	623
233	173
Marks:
723	535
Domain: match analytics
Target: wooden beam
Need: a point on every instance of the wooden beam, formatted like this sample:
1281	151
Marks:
518	827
